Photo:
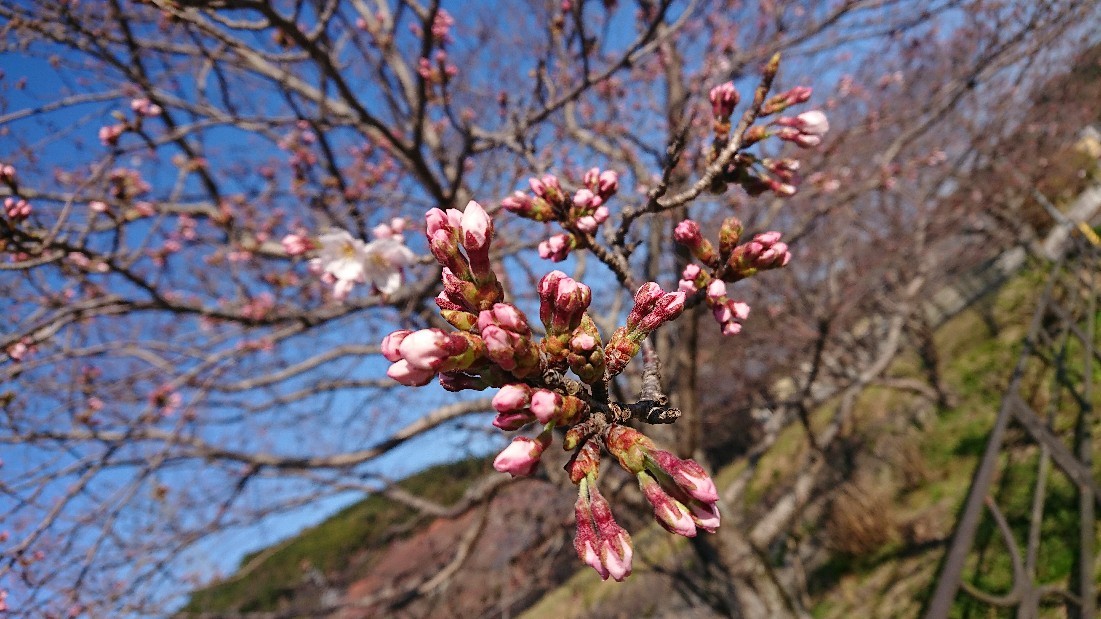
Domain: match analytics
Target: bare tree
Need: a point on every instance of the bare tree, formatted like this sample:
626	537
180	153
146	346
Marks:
174	371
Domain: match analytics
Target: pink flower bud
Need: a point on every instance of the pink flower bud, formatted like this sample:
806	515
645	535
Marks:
586	540
512	398
293	244
476	226
522	455
687	474
587	223
767	238
704	515
408	375
608	184
813	122
584	198
724	98
687	233
506	316
591	178
545	405
670	513
424	349
512	421
556	248
716	289
614	543
392	343
583	341
691	272
517	202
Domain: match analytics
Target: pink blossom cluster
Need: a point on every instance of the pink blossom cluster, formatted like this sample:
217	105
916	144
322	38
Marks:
756	175
653	308
145	108
494	346
109	134
682	494
441	26
438	72
580	215
730	262
16	209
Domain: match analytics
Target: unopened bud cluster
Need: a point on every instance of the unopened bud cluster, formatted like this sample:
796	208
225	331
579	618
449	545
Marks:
731	262
494	346
757	175
580	214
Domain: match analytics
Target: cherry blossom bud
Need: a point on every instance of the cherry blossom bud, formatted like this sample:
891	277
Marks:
690	279
7	173
586	540
704	515
100	206
813	122
616	552
591	178
729	234
716	289
545	405
779	103
585	198
425	349
294	244
145	107
109	135
557	247
408	375
477	227
511	404
724	98
687	474
512	398
669	512
392	343
688	233
585	462
506	316
17	208
521	457
608	184
600	542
